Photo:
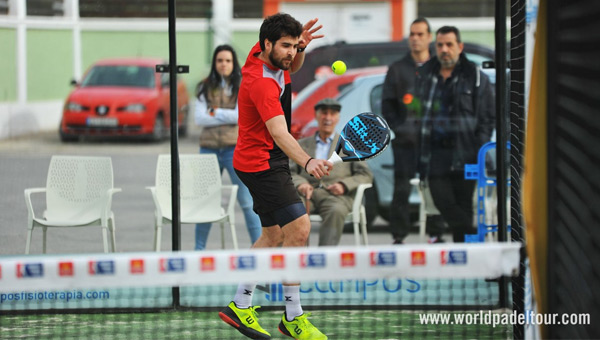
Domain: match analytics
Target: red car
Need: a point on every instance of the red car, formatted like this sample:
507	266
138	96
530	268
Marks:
325	86
123	97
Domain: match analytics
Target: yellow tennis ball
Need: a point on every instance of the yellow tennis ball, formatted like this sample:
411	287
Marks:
339	67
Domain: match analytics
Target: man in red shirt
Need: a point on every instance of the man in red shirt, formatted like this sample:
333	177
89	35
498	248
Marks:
261	161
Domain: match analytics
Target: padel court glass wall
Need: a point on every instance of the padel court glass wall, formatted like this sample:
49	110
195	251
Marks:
137	160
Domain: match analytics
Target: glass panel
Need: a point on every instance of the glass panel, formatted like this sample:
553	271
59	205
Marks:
42	59
456	8
3	7
248	9
45	7
143	8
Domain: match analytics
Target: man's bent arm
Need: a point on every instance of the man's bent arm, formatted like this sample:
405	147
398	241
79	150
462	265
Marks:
297	63
278	129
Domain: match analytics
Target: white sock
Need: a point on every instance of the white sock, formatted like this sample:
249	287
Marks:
243	296
292	301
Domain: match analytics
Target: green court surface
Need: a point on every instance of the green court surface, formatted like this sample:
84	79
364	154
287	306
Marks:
348	325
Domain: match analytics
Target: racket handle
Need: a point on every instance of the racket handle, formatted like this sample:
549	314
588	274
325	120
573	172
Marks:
335	158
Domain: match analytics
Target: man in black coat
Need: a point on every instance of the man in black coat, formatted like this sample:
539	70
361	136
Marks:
398	110
457	104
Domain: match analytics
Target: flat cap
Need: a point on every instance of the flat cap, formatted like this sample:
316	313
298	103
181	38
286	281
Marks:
328	103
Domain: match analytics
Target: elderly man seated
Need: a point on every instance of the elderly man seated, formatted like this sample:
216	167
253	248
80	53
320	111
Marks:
333	195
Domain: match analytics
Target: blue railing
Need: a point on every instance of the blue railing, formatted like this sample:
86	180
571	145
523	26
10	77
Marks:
484	180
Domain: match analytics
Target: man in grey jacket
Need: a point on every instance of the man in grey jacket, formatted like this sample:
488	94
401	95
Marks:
332	196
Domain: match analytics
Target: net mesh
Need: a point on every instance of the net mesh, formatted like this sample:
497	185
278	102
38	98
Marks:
420	292
520	23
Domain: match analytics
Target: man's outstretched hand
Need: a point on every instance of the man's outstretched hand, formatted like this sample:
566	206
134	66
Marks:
308	33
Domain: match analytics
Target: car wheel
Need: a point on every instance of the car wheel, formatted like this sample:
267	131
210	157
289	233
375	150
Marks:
160	131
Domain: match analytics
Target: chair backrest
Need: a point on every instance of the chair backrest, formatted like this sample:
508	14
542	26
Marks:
200	183
77	187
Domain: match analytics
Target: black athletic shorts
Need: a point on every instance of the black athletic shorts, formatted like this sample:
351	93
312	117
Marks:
271	189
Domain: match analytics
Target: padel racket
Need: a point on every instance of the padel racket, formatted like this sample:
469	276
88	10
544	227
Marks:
365	136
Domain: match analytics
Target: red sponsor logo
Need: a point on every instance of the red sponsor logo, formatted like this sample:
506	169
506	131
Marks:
207	263
277	261
136	266
348	259
65	269
417	258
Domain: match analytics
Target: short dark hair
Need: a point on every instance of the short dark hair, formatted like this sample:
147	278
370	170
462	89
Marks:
278	25
423	20
449	29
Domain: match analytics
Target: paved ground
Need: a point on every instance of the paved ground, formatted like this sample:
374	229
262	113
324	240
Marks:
25	163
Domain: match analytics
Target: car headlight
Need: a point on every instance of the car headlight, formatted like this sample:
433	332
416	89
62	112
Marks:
75	107
135	108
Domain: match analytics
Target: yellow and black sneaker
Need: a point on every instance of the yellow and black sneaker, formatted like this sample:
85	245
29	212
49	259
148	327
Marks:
300	328
244	320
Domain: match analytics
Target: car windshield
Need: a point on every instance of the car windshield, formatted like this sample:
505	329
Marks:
307	91
119	75
477	58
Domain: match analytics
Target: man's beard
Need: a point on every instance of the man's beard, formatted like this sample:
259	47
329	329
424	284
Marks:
278	63
447	63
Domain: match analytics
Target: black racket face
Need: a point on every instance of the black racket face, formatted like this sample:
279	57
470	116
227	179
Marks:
365	136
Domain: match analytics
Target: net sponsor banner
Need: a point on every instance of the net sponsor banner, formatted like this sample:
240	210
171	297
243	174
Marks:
348	275
289	264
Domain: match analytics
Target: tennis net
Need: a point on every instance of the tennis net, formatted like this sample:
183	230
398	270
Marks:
385	292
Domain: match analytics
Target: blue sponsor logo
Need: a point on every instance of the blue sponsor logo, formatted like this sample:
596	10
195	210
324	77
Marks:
30	270
454	257
176	265
102	267
243	262
383	258
313	260
358	289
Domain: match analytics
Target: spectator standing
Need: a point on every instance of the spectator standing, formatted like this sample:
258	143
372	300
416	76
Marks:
332	196
216	111
458	108
402	114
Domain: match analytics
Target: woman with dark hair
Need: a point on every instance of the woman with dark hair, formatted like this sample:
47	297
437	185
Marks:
217	112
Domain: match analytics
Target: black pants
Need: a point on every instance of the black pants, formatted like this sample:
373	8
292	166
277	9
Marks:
404	171
453	196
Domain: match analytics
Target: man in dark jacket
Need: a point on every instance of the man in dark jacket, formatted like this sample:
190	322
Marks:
398	110
458	118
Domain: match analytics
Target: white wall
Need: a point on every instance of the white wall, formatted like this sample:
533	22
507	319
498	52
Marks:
20	119
23	117
352	22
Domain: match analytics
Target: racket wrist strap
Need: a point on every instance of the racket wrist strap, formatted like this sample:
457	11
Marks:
308	161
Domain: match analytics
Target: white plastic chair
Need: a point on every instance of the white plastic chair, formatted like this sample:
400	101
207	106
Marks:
427	207
200	195
78	194
357	216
